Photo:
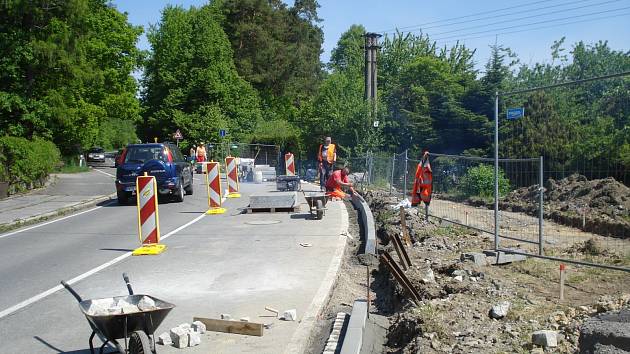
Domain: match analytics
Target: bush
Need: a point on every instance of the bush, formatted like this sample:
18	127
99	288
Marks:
479	182
27	162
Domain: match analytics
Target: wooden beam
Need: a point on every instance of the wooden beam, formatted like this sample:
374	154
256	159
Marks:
403	226
236	327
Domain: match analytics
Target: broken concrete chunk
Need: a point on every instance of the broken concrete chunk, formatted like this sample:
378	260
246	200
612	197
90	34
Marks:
185	326
226	316
199	327
545	338
476	257
500	310
164	339
459	272
268	325
179	336
126	307
100	307
194	338
245	319
146	304
290	315
458	278
429	277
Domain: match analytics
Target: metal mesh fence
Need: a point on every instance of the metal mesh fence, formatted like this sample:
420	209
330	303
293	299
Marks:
463	193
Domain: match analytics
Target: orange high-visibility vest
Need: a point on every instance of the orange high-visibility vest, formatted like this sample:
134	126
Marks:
330	156
423	184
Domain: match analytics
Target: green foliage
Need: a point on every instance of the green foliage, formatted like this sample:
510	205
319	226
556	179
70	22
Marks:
27	161
191	82
479	182
277	132
66	71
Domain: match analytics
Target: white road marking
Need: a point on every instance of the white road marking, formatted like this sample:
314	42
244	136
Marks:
103	172
53	221
90	272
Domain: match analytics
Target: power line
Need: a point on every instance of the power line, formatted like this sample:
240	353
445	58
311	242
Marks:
424	27
531	29
466	16
494	30
567	83
525	17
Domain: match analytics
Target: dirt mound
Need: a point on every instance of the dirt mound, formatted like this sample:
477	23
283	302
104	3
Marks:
600	206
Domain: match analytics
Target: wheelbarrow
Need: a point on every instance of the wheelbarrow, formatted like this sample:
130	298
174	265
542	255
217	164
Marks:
135	328
317	203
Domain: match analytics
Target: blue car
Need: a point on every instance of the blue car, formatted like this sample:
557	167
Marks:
173	174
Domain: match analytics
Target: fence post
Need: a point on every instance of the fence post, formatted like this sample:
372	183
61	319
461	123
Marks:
371	167
391	182
496	170
405	176
540	206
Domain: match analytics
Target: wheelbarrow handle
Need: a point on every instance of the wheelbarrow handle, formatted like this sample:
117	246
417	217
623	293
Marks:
129	288
74	293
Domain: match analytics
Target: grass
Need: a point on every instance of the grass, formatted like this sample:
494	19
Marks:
430	320
70	165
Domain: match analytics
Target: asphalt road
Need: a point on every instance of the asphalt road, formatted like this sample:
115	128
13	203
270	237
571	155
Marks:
230	263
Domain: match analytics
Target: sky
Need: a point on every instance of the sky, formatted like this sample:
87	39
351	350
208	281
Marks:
528	27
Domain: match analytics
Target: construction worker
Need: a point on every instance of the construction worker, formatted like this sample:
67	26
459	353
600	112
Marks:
327	157
201	152
336	181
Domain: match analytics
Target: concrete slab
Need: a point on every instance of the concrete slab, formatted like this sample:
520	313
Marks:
500	257
273	200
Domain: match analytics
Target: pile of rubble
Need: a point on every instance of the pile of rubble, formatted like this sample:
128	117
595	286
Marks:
600	206
184	335
469	306
118	306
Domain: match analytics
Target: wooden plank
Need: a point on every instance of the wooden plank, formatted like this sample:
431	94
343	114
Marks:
403	225
400	276
236	327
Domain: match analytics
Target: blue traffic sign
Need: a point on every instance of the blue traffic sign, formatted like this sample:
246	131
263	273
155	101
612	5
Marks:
222	133
515	113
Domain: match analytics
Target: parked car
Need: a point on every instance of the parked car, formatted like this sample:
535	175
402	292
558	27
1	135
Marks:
173	174
96	155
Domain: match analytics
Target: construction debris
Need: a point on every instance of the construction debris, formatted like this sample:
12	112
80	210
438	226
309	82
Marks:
228	326
271	309
289	315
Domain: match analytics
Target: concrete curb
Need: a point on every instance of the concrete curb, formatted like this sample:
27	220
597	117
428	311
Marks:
353	340
56	213
368	223
301	337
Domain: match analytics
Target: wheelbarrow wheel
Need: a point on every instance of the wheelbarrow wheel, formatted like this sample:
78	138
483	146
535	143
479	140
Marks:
139	343
320	209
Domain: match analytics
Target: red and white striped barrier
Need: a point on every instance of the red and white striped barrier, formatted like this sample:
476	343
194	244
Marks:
231	168
213	183
290	164
148	218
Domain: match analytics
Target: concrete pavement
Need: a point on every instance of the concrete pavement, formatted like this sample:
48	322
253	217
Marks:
231	263
69	192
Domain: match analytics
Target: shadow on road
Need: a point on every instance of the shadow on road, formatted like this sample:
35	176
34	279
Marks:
116	249
82	351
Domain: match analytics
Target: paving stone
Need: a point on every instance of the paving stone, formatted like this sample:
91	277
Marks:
199	327
194	338
179	336
146	304
165	339
545	338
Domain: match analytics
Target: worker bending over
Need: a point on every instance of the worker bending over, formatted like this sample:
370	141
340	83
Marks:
327	157
336	181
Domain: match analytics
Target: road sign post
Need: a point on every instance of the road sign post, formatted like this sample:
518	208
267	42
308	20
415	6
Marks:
515	113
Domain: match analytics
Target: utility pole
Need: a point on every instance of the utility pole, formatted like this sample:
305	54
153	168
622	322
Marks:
371	49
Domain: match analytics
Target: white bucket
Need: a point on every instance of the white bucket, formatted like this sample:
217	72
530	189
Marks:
258	177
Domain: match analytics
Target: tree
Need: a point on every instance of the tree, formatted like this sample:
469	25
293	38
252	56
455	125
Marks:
191	82
66	72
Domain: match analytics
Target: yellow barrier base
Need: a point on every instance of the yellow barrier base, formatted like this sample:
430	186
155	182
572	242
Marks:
215	211
234	195
149	250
